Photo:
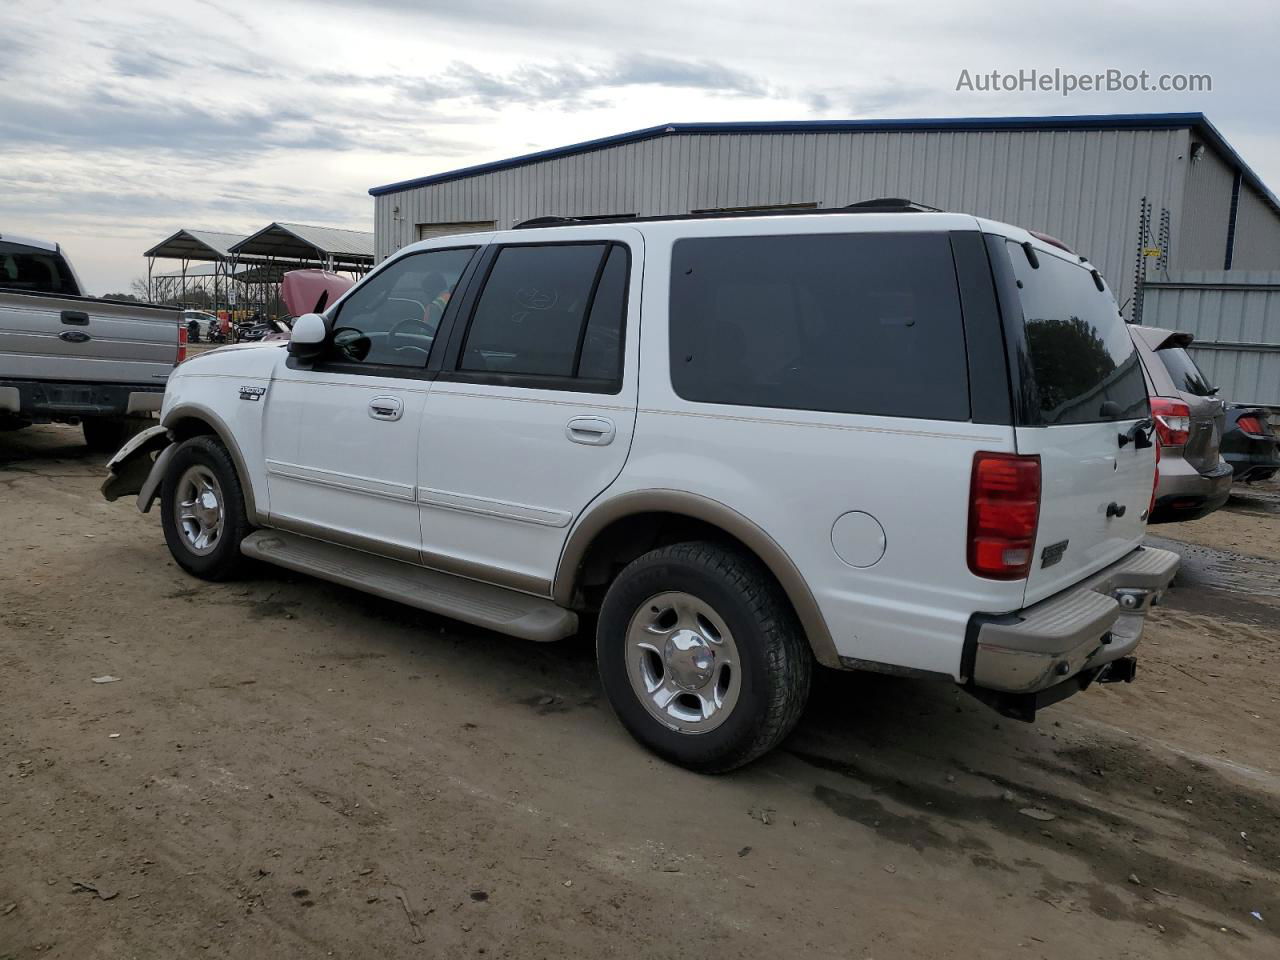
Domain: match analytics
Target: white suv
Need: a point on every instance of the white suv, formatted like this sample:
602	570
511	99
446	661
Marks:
880	439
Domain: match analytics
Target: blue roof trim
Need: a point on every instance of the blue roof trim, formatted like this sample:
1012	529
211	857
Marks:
1219	143
1106	121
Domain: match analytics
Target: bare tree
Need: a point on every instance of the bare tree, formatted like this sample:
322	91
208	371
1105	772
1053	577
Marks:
138	287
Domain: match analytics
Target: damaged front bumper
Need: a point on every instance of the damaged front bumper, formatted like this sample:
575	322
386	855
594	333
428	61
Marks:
1020	662
138	466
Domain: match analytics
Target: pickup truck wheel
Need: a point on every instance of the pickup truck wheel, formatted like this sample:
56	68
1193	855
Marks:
109	434
701	656
202	510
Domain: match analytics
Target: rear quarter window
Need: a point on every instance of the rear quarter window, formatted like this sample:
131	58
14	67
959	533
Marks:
1184	373
1084	364
847	323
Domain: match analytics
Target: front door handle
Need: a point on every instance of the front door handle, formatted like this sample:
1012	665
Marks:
386	408
594	431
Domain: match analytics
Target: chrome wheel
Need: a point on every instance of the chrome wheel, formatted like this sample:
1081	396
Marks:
198	509
683	663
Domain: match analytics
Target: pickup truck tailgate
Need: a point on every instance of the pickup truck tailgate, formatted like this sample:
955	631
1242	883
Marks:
55	337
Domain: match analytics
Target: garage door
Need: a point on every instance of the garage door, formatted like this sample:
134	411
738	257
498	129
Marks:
428	230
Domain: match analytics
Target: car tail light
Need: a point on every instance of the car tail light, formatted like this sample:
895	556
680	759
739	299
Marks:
1173	420
182	344
1155	483
1250	424
1004	510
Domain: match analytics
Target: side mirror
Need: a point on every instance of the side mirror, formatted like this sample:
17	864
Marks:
308	337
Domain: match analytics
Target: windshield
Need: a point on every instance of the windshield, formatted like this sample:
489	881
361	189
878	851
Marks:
32	270
1086	368
1184	373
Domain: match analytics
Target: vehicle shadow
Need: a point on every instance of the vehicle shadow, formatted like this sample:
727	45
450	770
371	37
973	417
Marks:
917	762
925	766
51	443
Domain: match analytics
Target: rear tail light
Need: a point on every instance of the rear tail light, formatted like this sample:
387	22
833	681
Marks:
1155	483
182	344
1004	510
1251	424
1173	420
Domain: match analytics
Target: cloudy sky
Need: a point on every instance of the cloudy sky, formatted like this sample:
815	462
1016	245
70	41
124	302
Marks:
122	121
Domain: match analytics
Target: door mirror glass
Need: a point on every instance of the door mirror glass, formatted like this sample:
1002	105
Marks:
308	337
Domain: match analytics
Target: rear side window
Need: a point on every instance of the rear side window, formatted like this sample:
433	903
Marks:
552	312
848	323
1184	373
1085	366
32	270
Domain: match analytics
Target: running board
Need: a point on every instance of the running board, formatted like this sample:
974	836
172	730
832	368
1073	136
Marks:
482	604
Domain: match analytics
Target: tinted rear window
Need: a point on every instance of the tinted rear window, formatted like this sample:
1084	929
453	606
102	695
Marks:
1184	373
32	270
1085	366
849	323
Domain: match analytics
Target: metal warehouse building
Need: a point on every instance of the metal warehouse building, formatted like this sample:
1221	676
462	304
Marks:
1147	197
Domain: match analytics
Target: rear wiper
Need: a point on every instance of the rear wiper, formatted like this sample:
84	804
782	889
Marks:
1139	434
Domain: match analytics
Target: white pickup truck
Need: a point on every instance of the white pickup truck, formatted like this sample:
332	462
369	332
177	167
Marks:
878	439
68	358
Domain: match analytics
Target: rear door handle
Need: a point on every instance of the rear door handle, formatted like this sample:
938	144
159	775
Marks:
386	408
594	431
75	318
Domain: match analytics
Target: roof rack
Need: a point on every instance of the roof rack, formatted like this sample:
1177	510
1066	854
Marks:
1053	242
892	205
878	205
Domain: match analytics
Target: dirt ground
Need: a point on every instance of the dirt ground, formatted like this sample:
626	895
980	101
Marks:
289	769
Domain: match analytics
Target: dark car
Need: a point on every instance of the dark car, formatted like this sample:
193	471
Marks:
273	329
1250	445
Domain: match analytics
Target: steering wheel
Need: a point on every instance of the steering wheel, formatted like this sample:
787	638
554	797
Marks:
428	330
351	341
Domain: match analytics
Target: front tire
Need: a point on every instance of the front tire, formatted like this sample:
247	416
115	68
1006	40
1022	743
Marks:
202	510
702	657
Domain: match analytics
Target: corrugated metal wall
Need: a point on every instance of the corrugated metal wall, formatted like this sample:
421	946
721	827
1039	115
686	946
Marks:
1257	244
1206	213
1235	317
1081	186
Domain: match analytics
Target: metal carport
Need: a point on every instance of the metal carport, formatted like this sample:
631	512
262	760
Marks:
202	246
330	247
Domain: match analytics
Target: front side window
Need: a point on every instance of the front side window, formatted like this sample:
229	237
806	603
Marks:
391	319
1085	366
846	323
550	311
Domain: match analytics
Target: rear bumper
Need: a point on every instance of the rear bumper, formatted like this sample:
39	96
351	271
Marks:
58	400
1184	493
1260	462
1071	636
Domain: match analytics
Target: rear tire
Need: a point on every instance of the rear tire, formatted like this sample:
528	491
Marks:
702	657
202	510
109	434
